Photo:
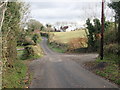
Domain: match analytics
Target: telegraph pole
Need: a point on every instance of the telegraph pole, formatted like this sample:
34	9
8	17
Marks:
102	32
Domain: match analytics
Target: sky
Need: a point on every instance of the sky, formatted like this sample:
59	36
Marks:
73	12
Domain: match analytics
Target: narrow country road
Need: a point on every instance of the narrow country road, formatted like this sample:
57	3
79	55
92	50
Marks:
56	70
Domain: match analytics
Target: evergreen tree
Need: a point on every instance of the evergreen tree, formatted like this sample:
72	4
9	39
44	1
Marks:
116	7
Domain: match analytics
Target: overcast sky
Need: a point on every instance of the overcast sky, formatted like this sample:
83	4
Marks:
74	11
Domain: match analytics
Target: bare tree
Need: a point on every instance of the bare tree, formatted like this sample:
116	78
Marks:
2	12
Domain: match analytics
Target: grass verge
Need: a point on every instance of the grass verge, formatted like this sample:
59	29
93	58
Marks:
56	49
14	77
31	52
19	76
106	68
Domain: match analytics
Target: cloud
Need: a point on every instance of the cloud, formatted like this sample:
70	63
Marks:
67	0
68	11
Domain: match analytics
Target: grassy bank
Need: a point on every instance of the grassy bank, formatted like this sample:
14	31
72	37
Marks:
56	49
106	68
19	76
68	41
14	78
31	52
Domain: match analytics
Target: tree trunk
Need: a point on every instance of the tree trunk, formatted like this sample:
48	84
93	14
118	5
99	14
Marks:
119	36
118	44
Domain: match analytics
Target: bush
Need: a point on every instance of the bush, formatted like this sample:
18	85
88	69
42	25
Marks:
32	52
111	49
35	38
110	37
25	41
21	38
14	78
27	53
28	41
76	43
44	34
55	45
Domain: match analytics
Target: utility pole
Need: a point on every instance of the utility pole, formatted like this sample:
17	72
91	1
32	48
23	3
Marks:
102	33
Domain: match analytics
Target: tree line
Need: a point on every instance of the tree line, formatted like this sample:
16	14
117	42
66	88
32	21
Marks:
111	33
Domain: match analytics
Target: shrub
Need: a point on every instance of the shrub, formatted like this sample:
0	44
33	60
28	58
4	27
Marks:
28	41
32	52
27	53
25	41
76	43
35	38
44	34
61	46
110	37
111	49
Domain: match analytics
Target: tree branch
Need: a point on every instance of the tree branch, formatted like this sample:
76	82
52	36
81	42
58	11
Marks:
3	15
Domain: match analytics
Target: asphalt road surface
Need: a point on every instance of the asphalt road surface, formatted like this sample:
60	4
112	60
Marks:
56	70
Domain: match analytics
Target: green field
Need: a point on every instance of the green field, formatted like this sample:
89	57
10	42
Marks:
65	37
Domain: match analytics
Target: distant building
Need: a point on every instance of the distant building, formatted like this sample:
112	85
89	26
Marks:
64	28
